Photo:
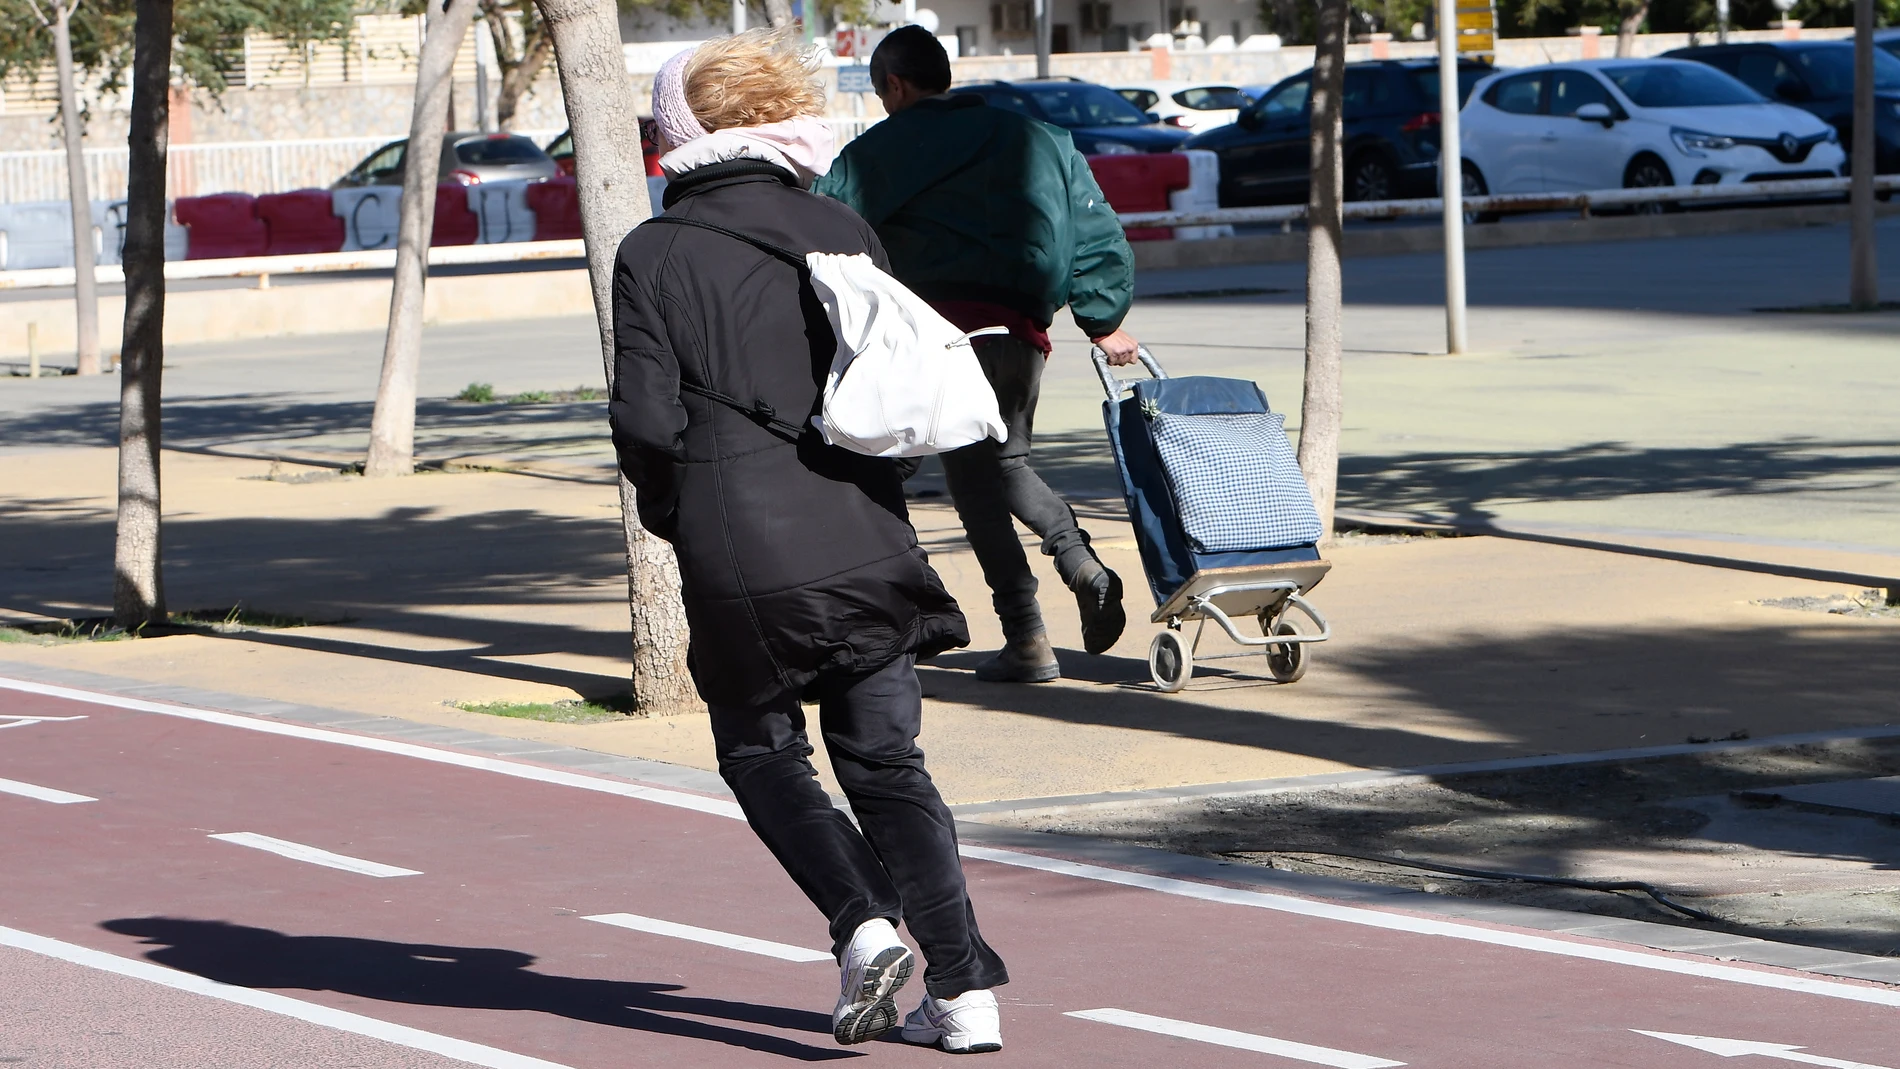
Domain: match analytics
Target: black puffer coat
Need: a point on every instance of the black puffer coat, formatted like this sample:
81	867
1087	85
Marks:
795	558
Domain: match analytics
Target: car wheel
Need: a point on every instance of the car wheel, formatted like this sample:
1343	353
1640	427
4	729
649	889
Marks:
1474	186
1371	176
1648	172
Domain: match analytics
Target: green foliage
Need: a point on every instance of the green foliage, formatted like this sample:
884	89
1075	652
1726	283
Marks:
531	397
600	710
479	392
208	43
1552	18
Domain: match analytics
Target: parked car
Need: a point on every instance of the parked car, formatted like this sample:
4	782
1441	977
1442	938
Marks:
561	150
1391	135
1818	78
1888	41
1605	124
1100	121
468	157
1190	105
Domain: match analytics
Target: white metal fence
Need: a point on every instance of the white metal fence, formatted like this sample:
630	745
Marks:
194	170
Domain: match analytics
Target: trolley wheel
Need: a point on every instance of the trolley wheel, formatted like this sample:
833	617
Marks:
1286	661
1170	662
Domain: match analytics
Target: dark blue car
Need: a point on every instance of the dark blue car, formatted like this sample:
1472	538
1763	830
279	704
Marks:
1101	121
1391	135
1817	77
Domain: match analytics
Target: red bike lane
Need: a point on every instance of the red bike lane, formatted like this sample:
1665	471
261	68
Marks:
478	930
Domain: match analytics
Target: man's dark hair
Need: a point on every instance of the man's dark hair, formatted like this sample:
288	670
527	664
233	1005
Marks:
913	54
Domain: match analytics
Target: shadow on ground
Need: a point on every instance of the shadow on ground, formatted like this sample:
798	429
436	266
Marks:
1463	485
227	424
1816	879
481	978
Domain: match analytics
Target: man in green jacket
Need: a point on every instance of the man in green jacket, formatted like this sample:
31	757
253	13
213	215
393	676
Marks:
996	220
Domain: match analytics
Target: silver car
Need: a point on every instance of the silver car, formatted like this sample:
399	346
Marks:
468	157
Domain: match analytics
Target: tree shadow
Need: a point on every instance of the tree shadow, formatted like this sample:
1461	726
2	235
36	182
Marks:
229	423
482	978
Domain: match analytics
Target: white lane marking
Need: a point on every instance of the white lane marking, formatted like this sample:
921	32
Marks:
1401	922
343	1021
15	720
1735	1048
1227	1037
44	794
718	807
300	852
1640	959
656	926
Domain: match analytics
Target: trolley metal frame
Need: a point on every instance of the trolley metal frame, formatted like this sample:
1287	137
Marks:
1267	592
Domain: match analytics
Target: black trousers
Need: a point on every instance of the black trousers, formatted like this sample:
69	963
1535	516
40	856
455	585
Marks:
903	864
992	482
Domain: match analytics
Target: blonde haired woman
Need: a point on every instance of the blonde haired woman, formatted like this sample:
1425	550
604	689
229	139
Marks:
800	570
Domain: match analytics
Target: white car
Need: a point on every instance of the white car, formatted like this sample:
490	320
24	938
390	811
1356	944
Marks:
1189	105
1621	123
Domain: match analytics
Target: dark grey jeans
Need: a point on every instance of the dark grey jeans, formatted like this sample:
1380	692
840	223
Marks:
904	862
993	485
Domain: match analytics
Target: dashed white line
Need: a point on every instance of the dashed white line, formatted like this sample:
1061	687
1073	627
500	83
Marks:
342	1020
300	852
1227	1037
656	926
44	794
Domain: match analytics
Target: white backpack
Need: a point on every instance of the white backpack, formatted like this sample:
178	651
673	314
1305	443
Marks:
904	381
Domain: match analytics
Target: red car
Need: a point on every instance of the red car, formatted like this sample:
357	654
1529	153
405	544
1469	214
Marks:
561	150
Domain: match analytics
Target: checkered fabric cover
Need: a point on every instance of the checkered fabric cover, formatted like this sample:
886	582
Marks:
1236	482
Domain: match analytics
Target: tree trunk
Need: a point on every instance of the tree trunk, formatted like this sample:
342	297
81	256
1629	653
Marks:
138	588
392	429
85	288
779	12
611	177
1320	402
1626	30
1863	286
520	73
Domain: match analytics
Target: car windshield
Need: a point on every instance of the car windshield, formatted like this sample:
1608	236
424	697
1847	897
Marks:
1679	85
1082	104
1830	70
1426	79
562	146
499	149
1211	98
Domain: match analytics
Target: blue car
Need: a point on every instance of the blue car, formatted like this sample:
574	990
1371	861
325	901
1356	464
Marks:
1391	135
1102	121
1817	77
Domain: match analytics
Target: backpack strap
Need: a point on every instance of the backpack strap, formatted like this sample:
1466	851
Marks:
762	245
758	411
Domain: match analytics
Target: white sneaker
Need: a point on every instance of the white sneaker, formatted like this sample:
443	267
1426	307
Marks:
967	1024
876	964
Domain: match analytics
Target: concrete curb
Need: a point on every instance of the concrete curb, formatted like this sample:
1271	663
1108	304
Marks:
1651	934
1398	241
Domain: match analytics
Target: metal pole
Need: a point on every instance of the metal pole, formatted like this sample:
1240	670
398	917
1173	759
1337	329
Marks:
1043	35
1721	22
738	16
1864	288
33	350
483	48
1451	176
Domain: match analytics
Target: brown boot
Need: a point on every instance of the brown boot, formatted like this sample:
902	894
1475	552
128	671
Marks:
1024	659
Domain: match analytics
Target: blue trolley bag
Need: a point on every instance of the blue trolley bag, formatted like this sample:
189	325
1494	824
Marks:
1201	459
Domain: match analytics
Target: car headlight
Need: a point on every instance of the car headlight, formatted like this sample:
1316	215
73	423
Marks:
1695	142
1114	148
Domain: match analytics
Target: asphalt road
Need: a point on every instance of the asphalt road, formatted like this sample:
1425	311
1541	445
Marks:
196	889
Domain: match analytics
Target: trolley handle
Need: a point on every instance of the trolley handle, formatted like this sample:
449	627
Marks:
1114	386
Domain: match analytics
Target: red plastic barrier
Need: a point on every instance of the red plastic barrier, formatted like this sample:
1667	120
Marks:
556	205
455	224
300	221
221	225
1141	184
